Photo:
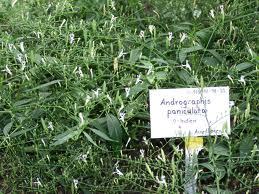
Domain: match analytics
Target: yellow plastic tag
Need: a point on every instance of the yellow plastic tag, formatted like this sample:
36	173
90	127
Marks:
193	142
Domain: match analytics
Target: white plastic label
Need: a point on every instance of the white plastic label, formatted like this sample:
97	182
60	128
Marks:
189	112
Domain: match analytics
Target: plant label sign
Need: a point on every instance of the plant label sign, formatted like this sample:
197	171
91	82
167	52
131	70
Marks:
186	112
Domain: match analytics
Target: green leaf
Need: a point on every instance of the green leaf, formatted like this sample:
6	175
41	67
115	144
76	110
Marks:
210	61
206	36
22	102
45	85
101	134
7	128
220	171
21	132
182	56
185	76
36	58
184	51
134	56
212	190
149	170
114	127
208	166
160	61
100	124
220	149
145	64
150	78
136	89
243	66
88	137
217	56
161	75
246	146
64	137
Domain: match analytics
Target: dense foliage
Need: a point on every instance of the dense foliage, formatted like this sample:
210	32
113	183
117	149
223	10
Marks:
74	81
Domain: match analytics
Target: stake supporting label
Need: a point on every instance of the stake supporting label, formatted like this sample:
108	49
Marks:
192	147
186	112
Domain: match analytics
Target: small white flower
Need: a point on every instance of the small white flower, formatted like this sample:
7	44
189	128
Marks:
37	34
63	22
127	90
22	47
150	70
19	57
196	13
230	78
37	183
91	73
122	116
80	72
138	80
170	36
151	28
50	126
231	104
212	13
145	140
221	7
242	80
142	153
13	2
43	142
83	157
121	54
160	158
75	182
49	5
183	36
113	5
23	65
47	156
87	99
117	171
96	92
43	61
187	65
109	98
113	19
162	180
11	47
142	34
71	38
81	117
7	70
128	142
21	60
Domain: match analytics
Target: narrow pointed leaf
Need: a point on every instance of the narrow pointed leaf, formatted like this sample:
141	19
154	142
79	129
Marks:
101	134
7	128
114	127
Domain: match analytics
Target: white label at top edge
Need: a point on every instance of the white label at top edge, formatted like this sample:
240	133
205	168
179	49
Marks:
186	112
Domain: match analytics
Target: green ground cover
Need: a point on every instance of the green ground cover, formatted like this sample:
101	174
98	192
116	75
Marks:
74	81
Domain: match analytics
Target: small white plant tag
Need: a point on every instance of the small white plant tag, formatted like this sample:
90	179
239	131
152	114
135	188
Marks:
186	112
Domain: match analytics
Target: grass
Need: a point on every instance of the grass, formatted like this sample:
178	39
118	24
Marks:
74	83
